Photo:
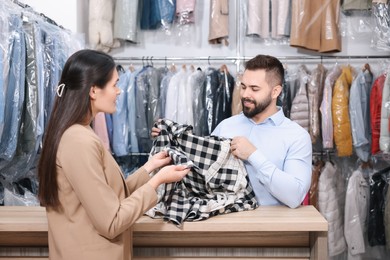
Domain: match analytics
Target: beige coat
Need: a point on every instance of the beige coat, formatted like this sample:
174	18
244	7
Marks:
99	206
315	25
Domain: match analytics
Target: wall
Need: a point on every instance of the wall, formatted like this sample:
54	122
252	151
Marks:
193	43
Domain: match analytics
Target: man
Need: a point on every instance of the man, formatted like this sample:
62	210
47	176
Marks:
276	151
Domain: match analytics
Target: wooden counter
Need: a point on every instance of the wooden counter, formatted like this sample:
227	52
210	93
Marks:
269	232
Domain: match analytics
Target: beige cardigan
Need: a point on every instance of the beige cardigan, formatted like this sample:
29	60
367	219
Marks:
99	206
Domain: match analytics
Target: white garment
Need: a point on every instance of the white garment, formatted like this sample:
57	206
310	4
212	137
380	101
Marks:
329	196
356	203
172	96
259	18
184	100
280	18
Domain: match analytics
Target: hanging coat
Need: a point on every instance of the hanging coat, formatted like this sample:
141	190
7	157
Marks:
340	113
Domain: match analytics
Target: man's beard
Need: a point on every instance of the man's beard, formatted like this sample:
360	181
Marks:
248	112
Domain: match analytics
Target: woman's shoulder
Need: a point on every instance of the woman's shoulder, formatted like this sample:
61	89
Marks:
79	134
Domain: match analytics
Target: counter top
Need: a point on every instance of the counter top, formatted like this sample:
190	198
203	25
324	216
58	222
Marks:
264	218
300	232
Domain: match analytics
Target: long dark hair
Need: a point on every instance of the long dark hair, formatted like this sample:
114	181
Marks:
83	69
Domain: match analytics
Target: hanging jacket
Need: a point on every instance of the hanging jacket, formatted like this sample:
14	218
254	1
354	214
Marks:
359	114
376	226
126	19
300	105
100	25
219	21
356	207
326	108
340	113
314	25
222	107
236	99
375	112
315	89
329	196
258	18
313	192
280	18
384	139
196	83
292	82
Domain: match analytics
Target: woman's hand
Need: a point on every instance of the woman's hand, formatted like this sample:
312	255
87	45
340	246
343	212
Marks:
156	161
168	174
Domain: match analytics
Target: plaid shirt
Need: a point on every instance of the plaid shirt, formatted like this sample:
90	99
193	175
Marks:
217	182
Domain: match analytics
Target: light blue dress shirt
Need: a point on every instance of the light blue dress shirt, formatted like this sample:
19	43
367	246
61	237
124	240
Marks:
280	169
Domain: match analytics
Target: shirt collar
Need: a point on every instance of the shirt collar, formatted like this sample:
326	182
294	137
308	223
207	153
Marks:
276	119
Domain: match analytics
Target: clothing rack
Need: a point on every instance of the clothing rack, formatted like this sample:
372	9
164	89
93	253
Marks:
237	60
244	58
30	9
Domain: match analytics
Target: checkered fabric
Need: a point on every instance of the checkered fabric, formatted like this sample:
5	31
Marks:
217	183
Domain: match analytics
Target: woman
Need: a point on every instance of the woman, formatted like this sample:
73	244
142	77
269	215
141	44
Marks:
90	207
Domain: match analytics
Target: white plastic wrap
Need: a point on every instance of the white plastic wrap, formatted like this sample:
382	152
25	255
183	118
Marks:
219	22
315	25
381	30
269	20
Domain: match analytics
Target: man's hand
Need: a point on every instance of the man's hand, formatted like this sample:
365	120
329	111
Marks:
155	132
241	147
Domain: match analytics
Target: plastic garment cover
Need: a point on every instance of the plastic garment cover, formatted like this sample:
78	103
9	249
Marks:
315	88
290	89
381	30
236	99
100	25
330	189
378	190
340	113
223	97
14	95
196	82
119	118
359	113
375	112
219	22
150	15
126	19
313	192
315	25
185	11
12	198
258	18
167	13
384	139
300	105
3	65
326	108
352	5
269	19
147	90
356	208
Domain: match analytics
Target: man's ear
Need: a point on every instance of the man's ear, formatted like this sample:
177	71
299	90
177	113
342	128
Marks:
276	91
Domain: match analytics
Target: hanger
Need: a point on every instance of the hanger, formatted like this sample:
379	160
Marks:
131	68
173	68
366	67
119	68
224	68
